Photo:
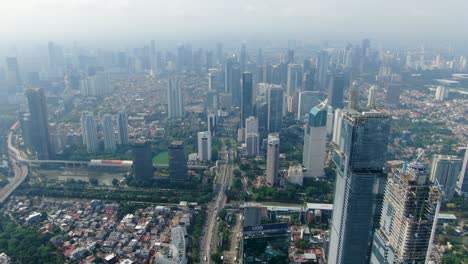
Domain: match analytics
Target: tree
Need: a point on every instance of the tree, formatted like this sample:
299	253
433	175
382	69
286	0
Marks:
115	182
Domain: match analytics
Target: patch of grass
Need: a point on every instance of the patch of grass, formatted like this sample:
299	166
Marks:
161	159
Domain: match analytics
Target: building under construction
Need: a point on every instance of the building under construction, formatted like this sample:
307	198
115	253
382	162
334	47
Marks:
408	220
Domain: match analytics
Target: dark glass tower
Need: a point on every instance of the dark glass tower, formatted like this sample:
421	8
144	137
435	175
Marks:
177	162
360	184
275	108
142	160
39	134
246	97
336	90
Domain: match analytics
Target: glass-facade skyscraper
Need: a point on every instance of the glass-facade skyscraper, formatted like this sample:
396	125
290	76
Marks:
39	132
360	185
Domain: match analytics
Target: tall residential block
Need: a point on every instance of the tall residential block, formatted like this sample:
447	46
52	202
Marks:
462	184
204	146
445	172
122	126
175	106
360	185
90	136
109	133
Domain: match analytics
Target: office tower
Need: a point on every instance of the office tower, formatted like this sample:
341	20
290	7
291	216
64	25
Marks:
13	76
445	172
251	125
39	133
212	123
252	142
371	98
392	98
360	184
243	58
260	57
214	80
204	146
323	59
56	58
96	85
336	90
462	184
109	133
290	58
26	129
272	169
353	96
337	121
294	79
142	160
178	170
441	93
233	80
315	142
247	97
307	100
308	80
89	129
261	111
219	53
409	216
180	57
122	125
209	60
275	108
175	96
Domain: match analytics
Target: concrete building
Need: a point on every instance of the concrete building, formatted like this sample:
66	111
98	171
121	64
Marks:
442	93
371	98
273	159
445	172
337	121
253	214
315	142
293	85
275	108
204	146
252	141
360	185
39	126
178	170
175	105
96	85
392	98
307	100
109	133
462	184
407	224
247	97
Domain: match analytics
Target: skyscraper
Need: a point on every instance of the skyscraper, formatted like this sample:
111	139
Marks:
462	184
252	142
294	81
175	98
272	169
360	184
275	108
39	132
251	125
315	141
109	133
204	146
13	76
122	124
371	98
212	123
323	60
243	57
177	162
392	98
247	97
409	215
353	96
142	160
307	100
89	129
336	90
445	172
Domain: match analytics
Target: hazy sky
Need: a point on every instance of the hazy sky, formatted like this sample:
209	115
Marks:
124	20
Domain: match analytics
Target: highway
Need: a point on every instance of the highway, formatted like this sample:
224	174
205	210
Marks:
19	167
209	242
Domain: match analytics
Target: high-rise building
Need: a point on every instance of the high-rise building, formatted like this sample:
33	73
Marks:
212	123
109	133
337	121
232	80
360	184
13	76
307	100
39	132
95	85
252	142
409	215
275	108
294	81
122	125
462	184
445	172
308	82
315	142
392	98
247	97
251	125
272	169
243	57
441	93
323	60
56	58
336	90
142	160
371	98
178	170
90	136
353	96
175	98
204	146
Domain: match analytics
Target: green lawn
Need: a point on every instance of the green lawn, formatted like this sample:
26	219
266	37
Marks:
161	158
